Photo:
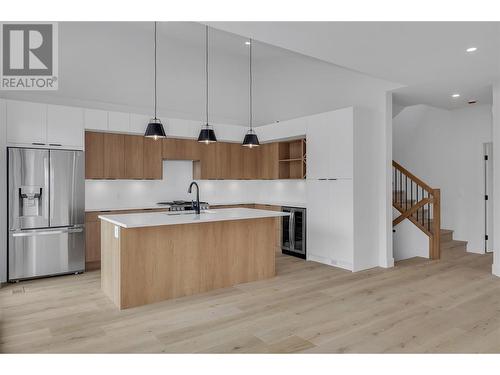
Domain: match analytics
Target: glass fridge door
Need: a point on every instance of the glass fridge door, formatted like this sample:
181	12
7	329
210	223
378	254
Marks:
286	231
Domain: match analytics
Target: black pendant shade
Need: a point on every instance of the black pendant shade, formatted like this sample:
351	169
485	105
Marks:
155	129
251	140
207	135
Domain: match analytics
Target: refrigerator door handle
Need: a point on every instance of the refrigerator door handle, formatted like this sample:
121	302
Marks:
292	230
34	233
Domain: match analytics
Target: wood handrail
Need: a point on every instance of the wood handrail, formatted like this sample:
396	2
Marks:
409	207
412	176
411	211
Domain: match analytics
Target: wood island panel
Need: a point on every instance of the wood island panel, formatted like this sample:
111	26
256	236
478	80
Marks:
170	261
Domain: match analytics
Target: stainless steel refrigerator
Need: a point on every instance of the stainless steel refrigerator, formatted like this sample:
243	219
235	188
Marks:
46	211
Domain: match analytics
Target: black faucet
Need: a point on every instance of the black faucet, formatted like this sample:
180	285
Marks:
196	205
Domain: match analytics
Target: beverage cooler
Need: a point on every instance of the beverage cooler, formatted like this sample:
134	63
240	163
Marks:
293	232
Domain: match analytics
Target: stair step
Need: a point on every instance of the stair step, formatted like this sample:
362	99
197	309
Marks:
446	235
453	244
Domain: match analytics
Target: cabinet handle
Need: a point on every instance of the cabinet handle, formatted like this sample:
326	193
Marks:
55	144
332	179
322	179
38	144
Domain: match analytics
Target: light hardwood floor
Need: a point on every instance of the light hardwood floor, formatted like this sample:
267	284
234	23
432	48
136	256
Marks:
452	305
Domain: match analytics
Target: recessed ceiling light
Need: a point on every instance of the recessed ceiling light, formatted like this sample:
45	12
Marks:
247	43
471	49
455	96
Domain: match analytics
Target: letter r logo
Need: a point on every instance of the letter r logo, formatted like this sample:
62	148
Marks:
27	49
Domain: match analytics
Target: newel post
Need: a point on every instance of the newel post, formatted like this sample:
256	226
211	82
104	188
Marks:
436	225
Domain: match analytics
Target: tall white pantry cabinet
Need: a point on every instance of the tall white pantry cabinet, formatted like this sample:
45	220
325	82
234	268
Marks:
337	231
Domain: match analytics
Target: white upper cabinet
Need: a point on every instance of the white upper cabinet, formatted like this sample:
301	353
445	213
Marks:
119	122
96	119
330	152
65	126
138	123
26	122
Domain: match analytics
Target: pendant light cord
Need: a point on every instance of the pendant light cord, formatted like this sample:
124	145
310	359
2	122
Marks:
155	70
251	84
206	73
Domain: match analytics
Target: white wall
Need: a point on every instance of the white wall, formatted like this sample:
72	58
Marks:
445	149
409	241
3	193
496	178
115	194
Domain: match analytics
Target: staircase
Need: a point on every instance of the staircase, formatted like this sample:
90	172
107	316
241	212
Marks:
421	204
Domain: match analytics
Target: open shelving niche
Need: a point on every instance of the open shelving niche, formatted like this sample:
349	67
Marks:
292	159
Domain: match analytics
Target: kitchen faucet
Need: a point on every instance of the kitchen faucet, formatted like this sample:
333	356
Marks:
196	205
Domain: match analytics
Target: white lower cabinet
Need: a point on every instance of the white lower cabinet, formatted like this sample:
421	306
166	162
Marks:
330	222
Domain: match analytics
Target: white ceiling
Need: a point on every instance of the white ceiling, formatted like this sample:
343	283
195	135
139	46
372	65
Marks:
429	58
298	66
109	65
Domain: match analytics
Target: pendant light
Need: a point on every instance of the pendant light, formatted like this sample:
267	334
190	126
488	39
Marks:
251	140
155	128
207	133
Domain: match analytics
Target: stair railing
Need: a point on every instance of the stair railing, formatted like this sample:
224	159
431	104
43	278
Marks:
419	203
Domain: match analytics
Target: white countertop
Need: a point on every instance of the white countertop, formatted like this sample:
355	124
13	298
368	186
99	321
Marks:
163	218
155	206
145	207
270	202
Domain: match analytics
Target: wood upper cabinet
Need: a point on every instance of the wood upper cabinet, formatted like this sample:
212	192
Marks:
250	163
94	155
207	168
236	161
119	156
134	157
153	162
114	156
181	149
223	160
268	161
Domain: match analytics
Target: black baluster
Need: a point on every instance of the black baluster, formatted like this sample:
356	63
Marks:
400	189
406	192
411	195
428	216
417	201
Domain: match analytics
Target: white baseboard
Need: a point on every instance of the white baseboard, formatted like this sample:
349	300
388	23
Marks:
495	269
388	264
330	262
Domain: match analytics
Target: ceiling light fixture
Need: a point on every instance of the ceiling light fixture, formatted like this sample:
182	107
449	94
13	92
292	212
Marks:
455	96
471	49
155	128
251	140
207	133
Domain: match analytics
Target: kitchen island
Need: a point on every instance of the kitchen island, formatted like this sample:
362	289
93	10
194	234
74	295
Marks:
151	257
